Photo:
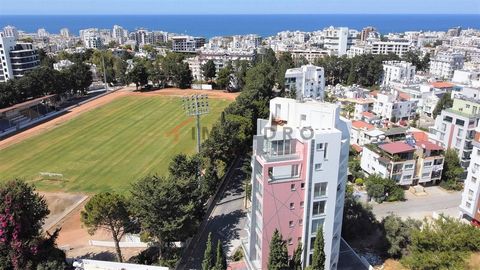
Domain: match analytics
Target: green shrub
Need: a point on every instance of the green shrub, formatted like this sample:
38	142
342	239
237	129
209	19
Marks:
359	181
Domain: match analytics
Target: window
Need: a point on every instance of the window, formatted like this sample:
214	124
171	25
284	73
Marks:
407	177
460	132
303	117
460	122
316	223
301	204
427	164
425	175
292	187
290	241
458	142
319	190
295	170
319	146
312	244
292	206
300	222
302	185
474	179
318	166
319	208
408	166
470	193
325	151
290	223
468	204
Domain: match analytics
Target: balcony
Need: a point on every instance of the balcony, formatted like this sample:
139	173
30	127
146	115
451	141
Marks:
279	158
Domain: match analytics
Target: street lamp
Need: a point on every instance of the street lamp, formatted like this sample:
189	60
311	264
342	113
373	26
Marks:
196	105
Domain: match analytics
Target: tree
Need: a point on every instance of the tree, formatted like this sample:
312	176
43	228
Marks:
209	70
349	110
176	70
445	102
358	219
398	234
22	215
285	62
452	171
167	208
81	77
224	76
221	261
443	243
207	262
296	261
138	75
108	211
318	259
278	256
381	189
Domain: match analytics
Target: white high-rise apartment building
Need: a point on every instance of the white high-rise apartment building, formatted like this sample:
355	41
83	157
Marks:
64	32
119	34
397	71
470	206
10	31
42	32
299	173
443	65
338	40
308	82
16	58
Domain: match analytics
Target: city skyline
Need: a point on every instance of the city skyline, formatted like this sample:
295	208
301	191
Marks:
209	7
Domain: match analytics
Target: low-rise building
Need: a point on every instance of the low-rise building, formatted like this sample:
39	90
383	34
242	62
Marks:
187	44
393	107
397	71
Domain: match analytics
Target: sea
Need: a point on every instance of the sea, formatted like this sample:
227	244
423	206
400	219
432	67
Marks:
226	25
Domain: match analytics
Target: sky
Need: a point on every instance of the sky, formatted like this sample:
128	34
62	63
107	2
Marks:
67	7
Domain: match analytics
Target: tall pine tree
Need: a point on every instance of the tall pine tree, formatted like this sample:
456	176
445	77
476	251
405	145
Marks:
221	261
296	261
207	262
278	258
318	260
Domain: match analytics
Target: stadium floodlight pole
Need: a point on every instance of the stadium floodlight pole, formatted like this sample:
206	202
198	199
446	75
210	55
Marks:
104	71
196	105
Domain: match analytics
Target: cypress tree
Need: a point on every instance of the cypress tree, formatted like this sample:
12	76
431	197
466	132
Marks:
207	262
318	260
296	261
221	261
278	258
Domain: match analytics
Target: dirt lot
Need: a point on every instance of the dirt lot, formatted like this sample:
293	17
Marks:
104	100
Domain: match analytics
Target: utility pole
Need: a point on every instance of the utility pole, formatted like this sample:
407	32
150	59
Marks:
104	72
196	105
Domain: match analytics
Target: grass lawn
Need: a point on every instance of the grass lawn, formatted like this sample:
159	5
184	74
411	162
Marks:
109	147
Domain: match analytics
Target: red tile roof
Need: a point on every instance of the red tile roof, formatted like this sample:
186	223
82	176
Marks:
403	96
397	147
428	145
357	148
443	85
368	114
361	124
420	136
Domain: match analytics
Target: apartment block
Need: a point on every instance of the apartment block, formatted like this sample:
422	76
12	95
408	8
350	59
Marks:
455	128
393	107
444	64
187	43
406	162
299	172
16	58
397	71
308	82
470	206
338	40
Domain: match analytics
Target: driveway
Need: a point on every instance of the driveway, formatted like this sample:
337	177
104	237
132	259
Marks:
226	222
437	200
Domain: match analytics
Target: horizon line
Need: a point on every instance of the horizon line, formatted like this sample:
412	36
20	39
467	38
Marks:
230	14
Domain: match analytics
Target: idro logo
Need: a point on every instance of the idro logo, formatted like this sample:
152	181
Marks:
306	133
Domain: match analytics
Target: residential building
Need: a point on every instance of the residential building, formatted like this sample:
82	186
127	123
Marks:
10	31
16	58
358	132
64	32
386	47
444	64
393	107
367	33
470	206
91	38
397	71
119	34
299	173
407	162
455	128
307	81
187	43
338	40
42	32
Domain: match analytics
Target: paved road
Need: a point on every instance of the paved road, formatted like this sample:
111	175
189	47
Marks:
226	222
437	200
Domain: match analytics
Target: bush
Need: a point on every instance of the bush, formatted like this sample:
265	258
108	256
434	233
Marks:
359	182
238	255
382	189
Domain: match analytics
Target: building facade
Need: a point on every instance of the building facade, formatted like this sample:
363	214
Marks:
470	206
308	82
338	40
187	43
443	65
298	180
397	71
16	58
455	128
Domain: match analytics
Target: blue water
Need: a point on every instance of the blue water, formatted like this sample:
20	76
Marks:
264	25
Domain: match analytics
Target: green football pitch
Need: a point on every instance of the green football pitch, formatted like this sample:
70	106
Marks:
108	148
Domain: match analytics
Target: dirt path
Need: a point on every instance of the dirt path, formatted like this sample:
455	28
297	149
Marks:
76	111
